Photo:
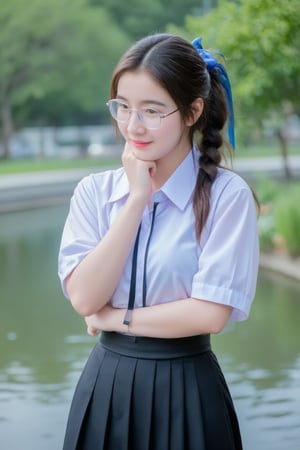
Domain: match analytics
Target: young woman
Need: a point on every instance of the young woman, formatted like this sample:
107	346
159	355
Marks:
157	255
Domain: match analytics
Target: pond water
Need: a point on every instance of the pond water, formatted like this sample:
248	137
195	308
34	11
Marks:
43	346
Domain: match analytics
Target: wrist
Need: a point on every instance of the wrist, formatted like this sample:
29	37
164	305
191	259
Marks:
117	319
138	199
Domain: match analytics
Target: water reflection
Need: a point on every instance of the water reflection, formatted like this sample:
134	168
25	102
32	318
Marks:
43	346
263	367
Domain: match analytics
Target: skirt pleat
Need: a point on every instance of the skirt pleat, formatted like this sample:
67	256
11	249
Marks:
117	432
176	439
142	405
218	410
94	432
160	425
81	399
127	403
193	405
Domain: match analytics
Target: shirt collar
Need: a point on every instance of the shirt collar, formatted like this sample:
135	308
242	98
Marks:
178	188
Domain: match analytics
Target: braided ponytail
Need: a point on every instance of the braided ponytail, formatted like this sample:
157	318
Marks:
211	125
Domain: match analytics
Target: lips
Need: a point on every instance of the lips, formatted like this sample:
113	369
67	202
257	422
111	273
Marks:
141	144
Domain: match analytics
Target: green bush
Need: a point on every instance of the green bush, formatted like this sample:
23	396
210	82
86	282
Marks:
266	231
287	218
266	189
279	220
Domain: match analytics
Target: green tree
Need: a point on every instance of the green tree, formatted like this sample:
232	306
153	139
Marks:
262	41
141	17
57	50
93	51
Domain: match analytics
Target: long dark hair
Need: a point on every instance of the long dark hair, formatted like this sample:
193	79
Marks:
176	65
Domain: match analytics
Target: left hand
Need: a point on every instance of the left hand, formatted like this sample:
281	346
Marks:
104	320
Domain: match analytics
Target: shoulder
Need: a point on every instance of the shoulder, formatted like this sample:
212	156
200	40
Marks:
102	184
103	179
231	200
229	184
227	177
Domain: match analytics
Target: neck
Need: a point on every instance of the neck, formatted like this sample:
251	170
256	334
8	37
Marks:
165	168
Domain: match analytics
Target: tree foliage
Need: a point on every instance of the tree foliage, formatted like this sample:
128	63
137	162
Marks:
141	17
84	73
57	54
262	41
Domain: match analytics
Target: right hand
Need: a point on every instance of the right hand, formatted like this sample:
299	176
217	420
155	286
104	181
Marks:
139	173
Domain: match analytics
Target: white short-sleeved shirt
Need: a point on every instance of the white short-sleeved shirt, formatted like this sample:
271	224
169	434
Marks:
221	268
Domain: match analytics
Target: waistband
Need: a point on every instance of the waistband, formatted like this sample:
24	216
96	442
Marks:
154	348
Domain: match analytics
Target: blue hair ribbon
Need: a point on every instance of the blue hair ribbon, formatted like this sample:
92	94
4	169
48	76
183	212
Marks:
212	63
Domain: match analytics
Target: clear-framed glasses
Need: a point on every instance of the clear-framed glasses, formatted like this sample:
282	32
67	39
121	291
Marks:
149	117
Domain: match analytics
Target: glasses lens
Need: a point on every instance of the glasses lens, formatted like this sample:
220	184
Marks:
119	111
150	118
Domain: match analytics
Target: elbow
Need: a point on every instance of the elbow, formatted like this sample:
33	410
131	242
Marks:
80	300
221	320
86	305
213	316
217	327
81	307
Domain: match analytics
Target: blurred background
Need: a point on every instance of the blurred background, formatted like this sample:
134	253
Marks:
57	58
56	61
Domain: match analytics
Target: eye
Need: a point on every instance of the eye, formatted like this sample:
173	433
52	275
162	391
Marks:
122	106
150	112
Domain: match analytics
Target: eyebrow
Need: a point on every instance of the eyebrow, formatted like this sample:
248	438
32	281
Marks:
144	102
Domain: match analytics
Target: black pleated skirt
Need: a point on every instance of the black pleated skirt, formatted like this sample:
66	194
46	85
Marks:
152	394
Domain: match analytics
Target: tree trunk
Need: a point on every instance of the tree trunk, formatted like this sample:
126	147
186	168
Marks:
284	153
6	126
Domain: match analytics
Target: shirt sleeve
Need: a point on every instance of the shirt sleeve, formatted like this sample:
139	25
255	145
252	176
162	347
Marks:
81	231
229	257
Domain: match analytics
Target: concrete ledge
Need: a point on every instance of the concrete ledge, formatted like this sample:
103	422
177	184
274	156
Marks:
38	189
281	264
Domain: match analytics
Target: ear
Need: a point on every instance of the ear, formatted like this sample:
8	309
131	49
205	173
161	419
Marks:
196	111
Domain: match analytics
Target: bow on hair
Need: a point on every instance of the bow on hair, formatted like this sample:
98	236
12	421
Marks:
212	63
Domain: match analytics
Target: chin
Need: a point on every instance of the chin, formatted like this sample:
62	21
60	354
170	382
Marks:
143	157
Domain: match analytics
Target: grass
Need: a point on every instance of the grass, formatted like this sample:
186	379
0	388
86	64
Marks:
34	165
38	165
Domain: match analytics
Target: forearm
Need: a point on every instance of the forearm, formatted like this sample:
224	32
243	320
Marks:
187	317
182	318
92	283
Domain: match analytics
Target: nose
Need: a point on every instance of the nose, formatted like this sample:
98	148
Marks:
134	121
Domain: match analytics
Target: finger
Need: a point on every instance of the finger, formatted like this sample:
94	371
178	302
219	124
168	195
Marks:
127	150
92	331
152	169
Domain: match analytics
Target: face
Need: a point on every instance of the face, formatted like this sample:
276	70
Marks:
138	90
